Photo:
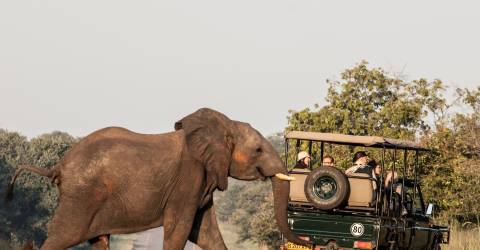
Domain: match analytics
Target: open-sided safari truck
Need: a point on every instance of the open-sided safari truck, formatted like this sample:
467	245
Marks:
334	211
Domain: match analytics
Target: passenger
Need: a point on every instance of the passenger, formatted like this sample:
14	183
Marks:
377	170
391	176
360	161
303	160
328	161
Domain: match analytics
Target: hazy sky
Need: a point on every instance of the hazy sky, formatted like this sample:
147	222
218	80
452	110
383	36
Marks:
77	66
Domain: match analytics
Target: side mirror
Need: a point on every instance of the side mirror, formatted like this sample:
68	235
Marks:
429	209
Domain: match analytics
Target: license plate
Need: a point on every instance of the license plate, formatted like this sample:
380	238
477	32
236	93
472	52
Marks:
293	246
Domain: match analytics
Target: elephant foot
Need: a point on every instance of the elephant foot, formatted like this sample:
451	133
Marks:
100	242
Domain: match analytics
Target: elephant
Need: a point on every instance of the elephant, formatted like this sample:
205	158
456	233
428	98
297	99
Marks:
115	181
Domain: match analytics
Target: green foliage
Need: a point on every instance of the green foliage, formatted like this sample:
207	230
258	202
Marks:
371	102
249	206
13	148
35	198
452	180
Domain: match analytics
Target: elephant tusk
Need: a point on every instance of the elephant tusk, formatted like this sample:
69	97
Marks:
285	177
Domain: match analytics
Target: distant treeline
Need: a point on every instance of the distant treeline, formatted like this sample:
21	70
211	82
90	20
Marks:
364	101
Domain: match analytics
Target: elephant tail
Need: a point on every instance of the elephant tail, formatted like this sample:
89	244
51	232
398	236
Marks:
51	173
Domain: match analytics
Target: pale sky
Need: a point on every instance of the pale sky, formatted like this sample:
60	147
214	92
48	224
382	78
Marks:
77	66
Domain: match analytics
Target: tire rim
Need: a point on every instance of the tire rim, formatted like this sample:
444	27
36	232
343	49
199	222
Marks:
325	187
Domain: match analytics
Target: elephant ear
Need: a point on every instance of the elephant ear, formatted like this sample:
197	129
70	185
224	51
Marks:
209	141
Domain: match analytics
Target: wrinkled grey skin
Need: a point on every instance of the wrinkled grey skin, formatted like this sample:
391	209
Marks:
116	181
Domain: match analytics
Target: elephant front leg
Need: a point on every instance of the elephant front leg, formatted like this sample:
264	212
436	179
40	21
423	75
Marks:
177	224
205	232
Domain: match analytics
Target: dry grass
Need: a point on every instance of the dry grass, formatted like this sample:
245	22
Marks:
461	239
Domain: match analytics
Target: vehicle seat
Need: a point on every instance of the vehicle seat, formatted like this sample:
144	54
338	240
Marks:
297	191
361	191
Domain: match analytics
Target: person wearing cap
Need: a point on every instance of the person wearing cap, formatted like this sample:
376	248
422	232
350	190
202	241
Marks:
303	160
360	161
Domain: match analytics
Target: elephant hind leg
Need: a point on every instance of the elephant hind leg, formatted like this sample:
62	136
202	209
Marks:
205	232
68	227
100	242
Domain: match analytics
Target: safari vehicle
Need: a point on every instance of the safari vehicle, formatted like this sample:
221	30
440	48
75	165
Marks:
334	211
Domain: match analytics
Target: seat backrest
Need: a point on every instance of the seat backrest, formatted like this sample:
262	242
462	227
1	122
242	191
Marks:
361	191
297	191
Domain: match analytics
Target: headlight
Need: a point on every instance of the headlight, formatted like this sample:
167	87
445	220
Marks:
290	223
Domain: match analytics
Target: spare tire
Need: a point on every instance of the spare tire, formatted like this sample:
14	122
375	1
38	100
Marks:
326	188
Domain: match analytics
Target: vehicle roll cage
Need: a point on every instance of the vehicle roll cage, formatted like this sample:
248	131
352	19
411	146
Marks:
364	141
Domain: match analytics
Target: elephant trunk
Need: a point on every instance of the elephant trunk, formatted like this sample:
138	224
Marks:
281	190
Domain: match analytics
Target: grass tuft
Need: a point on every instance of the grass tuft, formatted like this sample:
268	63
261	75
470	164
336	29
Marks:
463	238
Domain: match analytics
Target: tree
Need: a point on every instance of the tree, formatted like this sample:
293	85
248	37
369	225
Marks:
35	198
452	180
13	148
370	101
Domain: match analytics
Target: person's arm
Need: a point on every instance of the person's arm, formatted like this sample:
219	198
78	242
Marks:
351	170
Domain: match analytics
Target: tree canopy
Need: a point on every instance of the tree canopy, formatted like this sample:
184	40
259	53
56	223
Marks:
27	215
369	101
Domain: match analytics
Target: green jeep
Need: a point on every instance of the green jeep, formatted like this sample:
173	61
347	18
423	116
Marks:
359	211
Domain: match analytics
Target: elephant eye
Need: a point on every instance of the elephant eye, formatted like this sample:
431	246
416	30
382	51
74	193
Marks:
259	151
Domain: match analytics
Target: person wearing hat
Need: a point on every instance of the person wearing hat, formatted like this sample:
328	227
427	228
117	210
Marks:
303	160
362	164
